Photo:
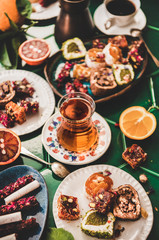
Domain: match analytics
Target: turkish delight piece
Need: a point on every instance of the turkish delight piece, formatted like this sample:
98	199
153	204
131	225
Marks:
23	88
22	191
6	120
134	156
12	187
16	112
22	227
103	201
23	204
9	218
30	106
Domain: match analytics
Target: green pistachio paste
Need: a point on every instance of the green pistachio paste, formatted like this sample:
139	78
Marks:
72	47
125	72
96	219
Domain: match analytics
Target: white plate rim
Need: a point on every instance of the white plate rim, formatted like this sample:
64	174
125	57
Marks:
50	11
38	82
90	158
83	173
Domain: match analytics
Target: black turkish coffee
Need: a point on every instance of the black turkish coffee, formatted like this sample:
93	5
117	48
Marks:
120	7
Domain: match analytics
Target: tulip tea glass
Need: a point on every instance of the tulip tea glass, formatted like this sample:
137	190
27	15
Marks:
77	132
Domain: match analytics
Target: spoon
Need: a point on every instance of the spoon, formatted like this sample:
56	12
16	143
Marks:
137	33
59	169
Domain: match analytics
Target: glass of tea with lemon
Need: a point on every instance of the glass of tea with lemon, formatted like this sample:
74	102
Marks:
77	131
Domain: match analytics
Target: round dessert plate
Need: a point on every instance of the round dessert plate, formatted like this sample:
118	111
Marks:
44	13
10	175
100	17
43	94
74	185
52	146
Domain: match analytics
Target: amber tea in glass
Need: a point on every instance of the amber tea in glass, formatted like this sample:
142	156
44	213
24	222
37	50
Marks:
77	131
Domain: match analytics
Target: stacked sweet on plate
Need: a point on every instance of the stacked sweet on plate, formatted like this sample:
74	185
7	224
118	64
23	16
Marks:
107	205
100	68
16	101
14	204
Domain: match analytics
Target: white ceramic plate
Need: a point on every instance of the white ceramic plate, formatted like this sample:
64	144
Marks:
73	185
52	146
51	11
100	17
43	94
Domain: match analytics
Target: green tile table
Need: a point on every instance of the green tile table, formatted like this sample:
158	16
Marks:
144	95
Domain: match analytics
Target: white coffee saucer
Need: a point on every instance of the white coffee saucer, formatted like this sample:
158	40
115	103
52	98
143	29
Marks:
100	17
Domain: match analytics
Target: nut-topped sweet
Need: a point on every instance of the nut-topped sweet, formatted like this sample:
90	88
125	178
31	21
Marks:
134	156
6	92
102	81
68	208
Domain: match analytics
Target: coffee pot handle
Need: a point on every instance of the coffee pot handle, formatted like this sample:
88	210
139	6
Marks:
108	24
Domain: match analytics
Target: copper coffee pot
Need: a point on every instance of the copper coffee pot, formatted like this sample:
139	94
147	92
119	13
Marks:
74	20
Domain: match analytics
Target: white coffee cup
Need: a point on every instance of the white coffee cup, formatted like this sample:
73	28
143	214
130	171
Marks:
114	18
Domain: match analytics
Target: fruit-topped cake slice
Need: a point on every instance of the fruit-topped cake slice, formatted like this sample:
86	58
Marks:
68	208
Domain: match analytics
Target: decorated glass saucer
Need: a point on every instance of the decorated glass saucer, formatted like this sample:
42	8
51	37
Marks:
100	17
52	146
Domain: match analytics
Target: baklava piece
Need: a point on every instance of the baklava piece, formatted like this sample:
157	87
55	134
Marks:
127	205
134	156
68	208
